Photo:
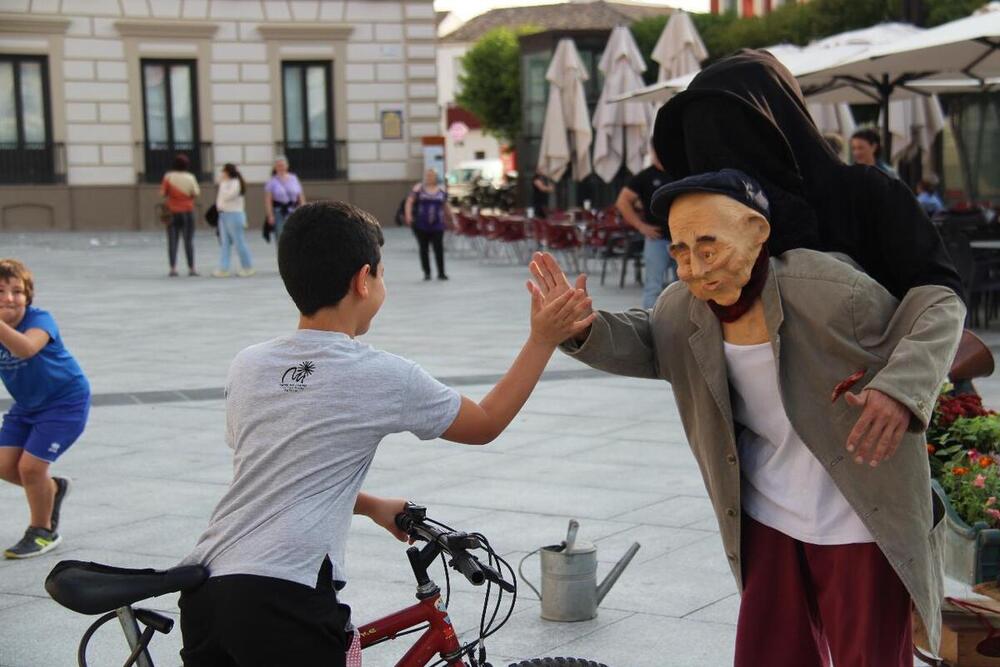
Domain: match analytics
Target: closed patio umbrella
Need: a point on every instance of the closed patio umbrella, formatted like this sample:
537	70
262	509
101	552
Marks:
621	131
679	50
566	131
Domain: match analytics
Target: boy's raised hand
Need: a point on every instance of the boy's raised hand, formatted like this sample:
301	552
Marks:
561	317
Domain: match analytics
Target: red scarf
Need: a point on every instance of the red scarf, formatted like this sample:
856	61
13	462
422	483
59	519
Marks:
750	293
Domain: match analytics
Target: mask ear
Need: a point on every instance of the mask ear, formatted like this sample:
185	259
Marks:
761	227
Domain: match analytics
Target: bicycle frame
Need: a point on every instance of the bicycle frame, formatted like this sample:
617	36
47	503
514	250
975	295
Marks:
438	640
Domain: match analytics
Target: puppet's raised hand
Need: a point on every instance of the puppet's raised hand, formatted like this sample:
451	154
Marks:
550	277
879	429
553	283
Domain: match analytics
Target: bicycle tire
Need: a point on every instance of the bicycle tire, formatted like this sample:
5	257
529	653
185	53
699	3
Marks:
557	662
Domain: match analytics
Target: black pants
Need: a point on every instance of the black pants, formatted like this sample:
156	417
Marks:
244	620
425	239
181	223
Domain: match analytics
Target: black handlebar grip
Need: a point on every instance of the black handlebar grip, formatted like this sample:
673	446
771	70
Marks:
404	522
469	567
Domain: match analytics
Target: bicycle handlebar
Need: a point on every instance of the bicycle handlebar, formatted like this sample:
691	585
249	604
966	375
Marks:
455	543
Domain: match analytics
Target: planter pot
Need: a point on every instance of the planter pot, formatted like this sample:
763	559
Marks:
971	553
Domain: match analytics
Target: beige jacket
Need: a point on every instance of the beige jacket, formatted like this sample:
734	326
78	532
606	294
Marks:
826	320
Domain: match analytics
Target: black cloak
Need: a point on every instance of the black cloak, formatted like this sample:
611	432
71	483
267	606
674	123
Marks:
747	112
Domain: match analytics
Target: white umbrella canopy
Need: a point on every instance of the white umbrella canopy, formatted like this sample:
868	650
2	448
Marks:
968	47
679	50
566	131
621	130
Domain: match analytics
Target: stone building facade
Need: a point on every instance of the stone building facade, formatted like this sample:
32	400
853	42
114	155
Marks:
102	93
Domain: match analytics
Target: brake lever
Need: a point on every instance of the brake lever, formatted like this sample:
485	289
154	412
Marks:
495	576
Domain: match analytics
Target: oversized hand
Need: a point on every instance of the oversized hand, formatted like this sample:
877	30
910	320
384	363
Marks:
879	429
550	277
552	283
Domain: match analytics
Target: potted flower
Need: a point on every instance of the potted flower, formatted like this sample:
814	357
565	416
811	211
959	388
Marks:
964	450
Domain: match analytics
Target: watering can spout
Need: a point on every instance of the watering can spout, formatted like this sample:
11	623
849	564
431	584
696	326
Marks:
616	572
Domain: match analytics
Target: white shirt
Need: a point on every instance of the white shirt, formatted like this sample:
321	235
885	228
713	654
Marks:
229	198
784	486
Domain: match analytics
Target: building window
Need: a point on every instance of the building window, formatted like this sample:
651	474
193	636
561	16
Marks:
170	113
307	104
27	154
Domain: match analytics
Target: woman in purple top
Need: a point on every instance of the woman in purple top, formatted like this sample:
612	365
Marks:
426	210
282	195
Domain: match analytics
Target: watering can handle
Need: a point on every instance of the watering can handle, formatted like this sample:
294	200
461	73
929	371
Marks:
520	571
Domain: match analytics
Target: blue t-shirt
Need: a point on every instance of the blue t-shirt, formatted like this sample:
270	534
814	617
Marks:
51	376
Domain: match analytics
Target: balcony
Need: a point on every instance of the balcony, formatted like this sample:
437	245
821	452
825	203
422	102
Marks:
32	163
315	160
156	159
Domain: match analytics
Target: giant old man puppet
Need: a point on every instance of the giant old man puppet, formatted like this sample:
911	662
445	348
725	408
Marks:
804	388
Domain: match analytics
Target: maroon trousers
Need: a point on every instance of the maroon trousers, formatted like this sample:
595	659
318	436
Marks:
804	603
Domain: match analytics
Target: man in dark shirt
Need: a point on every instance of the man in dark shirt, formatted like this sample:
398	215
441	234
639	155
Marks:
635	197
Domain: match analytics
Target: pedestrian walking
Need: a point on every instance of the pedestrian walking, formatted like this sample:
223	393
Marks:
638	194
282	195
426	210
180	189
232	221
51	403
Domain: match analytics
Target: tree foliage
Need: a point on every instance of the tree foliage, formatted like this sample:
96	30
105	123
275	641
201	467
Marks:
490	86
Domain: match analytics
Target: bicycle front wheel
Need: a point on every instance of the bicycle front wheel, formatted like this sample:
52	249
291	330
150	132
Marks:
558	662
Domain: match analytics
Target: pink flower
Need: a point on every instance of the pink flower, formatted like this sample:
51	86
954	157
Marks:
973	454
991	501
994	513
979	482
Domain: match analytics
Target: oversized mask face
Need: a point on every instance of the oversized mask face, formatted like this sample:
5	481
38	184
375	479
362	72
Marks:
715	241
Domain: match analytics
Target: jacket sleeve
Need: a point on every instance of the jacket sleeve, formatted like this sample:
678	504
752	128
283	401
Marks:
927	325
619	343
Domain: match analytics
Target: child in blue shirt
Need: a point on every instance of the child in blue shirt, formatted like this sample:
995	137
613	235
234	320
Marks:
51	402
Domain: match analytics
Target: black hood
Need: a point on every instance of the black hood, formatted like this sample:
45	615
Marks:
747	112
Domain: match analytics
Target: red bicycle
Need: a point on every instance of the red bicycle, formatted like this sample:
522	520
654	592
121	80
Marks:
92	588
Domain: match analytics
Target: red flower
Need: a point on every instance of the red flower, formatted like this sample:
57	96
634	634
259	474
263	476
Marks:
958	471
985	461
931	448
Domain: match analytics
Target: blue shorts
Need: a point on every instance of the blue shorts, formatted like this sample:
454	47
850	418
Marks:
45	433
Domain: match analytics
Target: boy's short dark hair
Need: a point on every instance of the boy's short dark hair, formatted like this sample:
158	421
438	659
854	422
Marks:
322	246
182	162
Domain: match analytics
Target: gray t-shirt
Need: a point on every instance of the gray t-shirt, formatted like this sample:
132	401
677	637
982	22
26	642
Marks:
304	415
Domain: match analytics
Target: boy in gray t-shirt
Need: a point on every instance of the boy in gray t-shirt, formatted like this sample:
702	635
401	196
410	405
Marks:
304	415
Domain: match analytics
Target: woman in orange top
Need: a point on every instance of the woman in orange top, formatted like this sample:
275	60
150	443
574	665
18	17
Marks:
180	189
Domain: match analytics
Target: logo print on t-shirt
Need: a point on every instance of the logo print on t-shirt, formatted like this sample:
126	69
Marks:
294	379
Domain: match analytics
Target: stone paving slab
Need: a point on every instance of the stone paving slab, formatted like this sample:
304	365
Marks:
609	451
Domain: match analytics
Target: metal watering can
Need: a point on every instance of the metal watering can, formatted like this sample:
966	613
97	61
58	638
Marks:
570	591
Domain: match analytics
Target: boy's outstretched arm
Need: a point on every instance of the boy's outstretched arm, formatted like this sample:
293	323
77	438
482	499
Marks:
552	322
23	345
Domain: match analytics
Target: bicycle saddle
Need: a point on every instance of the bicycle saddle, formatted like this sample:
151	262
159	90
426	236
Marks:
92	588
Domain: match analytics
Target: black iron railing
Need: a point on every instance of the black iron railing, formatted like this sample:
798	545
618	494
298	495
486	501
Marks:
32	163
156	159
315	160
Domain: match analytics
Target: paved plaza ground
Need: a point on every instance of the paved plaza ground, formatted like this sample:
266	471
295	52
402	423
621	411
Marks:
608	451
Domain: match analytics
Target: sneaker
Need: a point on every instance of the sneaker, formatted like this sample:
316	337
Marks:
62	488
442	277
173	273
193	273
35	542
218	273
427	276
245	273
